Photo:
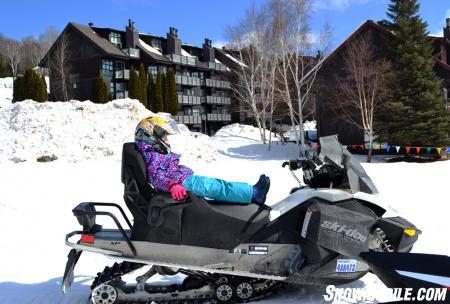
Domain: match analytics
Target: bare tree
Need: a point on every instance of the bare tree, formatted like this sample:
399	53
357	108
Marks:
32	52
247	38
47	39
297	66
60	68
14	55
362	86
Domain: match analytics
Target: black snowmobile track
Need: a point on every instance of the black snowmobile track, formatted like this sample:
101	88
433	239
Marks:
112	275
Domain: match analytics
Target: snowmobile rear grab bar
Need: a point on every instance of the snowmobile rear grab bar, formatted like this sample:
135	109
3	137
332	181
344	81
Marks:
77	211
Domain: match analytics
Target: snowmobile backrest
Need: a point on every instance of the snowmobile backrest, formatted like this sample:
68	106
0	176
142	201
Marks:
133	164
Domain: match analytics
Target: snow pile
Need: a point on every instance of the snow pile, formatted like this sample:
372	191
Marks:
6	91
236	131
6	83
71	130
76	131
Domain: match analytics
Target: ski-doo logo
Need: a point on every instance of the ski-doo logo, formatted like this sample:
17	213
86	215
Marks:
341	229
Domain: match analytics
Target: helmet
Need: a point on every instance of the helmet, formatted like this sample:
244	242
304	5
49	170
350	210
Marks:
151	129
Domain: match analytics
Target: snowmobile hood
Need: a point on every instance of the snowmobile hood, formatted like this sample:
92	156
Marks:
332	152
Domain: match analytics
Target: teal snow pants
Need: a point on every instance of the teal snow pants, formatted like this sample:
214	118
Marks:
218	189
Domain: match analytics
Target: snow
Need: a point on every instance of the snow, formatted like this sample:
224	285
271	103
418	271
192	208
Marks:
6	91
36	199
237	61
149	48
184	53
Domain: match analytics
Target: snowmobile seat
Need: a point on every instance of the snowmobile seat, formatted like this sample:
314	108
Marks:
158	218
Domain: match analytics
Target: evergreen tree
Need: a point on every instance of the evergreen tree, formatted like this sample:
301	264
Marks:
165	91
171	103
30	89
4	72
18	94
143	85
30	86
101	93
159	103
417	114
133	85
151	96
43	95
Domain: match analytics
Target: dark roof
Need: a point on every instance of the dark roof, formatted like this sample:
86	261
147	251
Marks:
103	44
151	54
362	28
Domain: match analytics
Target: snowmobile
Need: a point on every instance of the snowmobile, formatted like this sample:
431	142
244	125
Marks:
238	253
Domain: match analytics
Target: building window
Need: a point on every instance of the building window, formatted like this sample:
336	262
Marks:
111	87
116	39
107	68
153	69
156	43
195	111
120	87
75	80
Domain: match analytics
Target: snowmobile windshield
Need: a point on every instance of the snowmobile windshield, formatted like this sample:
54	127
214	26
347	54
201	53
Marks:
331	151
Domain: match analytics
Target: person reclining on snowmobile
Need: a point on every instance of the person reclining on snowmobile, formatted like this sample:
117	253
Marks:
166	174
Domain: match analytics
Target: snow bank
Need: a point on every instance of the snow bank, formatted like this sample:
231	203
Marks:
6	83
6	91
76	131
71	130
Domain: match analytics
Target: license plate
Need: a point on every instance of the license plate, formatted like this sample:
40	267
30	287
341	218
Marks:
72	260
346	265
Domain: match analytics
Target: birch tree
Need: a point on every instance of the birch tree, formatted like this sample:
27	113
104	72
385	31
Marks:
297	65
362	86
247	39
14	55
60	68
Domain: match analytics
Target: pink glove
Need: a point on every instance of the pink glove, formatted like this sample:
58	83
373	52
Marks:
178	192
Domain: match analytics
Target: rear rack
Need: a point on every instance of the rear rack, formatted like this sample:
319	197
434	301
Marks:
90	210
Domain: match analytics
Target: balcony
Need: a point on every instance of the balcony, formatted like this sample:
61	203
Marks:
185	60
122	74
217	83
187	80
190	100
217	66
219	117
189	119
132	52
218	100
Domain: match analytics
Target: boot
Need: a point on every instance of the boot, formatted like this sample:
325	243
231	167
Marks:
260	190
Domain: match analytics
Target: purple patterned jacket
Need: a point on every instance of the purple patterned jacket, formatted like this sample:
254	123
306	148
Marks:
163	170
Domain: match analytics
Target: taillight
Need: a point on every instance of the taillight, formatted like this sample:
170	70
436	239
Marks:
87	238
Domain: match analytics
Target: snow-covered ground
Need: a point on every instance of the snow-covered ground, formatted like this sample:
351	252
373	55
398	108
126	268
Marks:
36	198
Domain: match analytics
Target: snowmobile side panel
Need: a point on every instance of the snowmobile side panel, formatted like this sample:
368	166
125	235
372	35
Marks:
72	259
338	228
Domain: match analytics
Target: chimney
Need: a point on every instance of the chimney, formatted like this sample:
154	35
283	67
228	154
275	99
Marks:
91	24
448	23
132	36
173	42
208	51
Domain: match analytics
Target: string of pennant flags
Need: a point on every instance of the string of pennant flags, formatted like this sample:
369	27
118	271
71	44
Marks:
388	148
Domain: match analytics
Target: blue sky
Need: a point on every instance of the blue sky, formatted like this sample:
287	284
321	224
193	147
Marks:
195	19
